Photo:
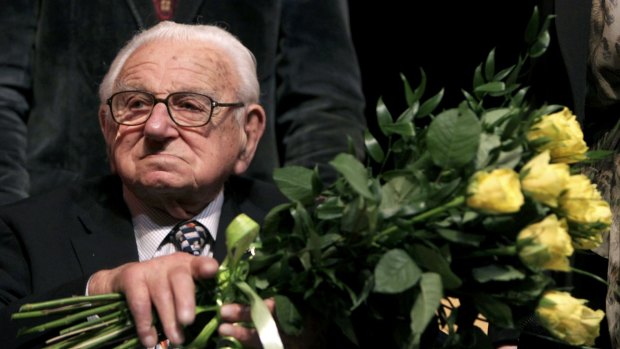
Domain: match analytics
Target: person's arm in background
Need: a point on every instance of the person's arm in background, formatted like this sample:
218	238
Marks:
319	95
17	33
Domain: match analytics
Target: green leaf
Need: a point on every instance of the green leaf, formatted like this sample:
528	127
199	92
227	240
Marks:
514	75
331	208
493	86
489	65
295	182
493	117
495	311
410	96
409	113
452	138
419	91
427	302
289	318
240	234
533	26
373	147
403	128
355	216
396	272
459	237
478	78
503	73
519	97
432	260
354	173
509	159
496	272
488	143
541	45
597	155
261	317
429	105
396	193
384	118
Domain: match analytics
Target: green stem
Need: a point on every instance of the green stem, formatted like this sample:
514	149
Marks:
67	342
205	334
457	201
104	336
74	317
500	251
597	278
86	326
71	300
129	344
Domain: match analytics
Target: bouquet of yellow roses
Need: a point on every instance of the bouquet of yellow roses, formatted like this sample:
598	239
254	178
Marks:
475	203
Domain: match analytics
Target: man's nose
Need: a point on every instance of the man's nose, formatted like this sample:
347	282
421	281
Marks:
160	124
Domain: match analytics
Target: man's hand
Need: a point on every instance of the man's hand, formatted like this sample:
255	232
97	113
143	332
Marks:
166	283
232	315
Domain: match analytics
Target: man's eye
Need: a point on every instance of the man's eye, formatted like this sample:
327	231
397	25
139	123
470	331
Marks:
137	104
190	105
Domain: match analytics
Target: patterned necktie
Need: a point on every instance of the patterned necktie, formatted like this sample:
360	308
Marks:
190	236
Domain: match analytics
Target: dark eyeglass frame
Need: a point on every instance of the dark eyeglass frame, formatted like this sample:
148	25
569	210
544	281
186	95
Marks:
213	103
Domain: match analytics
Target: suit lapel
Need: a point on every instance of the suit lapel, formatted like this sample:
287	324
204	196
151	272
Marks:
108	239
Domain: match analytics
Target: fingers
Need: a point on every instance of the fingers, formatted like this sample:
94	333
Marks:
139	304
236	314
182	286
247	336
164	299
241	313
203	268
164	283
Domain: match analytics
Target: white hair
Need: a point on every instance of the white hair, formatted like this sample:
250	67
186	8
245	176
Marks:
244	62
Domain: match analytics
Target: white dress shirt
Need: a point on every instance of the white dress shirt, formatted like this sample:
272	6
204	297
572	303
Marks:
151	228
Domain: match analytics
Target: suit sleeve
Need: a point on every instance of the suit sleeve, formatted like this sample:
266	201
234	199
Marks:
17	35
16	290
319	98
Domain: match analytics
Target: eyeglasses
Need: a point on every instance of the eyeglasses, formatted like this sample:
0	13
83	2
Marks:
187	109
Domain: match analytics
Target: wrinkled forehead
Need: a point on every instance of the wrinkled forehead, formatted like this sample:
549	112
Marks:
182	64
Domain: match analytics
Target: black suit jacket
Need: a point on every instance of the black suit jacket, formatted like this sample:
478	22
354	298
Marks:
50	245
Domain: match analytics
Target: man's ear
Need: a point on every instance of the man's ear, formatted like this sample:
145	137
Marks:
253	128
103	120
108	130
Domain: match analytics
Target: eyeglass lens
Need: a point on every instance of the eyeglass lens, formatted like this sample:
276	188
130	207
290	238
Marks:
187	109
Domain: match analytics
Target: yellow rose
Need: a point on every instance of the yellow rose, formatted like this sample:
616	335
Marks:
561	134
543	181
568	319
498	191
546	245
588	214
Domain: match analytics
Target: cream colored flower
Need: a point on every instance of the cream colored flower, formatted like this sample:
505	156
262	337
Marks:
546	245
495	192
544	181
588	214
568	319
562	135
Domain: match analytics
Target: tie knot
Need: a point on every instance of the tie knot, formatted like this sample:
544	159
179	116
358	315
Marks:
190	236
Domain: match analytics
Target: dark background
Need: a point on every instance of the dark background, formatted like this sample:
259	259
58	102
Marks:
447	39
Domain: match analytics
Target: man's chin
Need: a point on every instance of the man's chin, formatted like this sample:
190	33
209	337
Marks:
162	182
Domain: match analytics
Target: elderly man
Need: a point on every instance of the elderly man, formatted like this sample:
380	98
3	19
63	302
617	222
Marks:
180	119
